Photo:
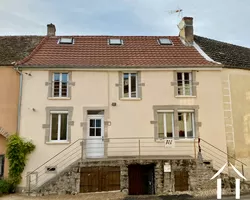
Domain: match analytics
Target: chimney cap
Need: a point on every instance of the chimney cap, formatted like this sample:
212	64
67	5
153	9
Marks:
184	18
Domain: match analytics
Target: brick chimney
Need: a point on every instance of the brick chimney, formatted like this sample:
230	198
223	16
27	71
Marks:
51	29
187	30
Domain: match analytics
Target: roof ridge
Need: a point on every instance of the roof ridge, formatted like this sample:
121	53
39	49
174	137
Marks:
27	58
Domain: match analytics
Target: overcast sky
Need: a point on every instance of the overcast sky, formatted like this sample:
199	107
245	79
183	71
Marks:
225	20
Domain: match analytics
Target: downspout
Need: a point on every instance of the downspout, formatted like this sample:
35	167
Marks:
19	99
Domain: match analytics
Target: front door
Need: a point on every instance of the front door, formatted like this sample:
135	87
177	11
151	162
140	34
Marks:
95	133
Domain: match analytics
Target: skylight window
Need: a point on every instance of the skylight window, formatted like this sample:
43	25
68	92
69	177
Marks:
165	41
66	41
115	42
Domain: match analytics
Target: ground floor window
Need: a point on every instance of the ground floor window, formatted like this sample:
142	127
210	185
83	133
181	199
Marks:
186	124
59	126
166	125
1	165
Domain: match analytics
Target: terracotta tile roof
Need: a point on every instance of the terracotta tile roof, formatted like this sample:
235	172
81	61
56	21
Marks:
16	48
94	51
231	56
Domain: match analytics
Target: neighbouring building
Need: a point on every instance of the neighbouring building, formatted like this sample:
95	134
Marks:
12	48
236	95
116	112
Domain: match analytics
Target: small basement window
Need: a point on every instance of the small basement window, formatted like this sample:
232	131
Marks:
115	42
65	41
50	169
165	41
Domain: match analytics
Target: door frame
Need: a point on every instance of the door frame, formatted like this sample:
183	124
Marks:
84	125
101	117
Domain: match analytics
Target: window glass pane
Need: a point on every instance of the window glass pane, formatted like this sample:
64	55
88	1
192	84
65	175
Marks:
187	88
56	76
179	84
56	88
180	90
98	131
92	123
181	124
64	77
91	131
169	123
64	84
189	118
98	123
186	76
179	76
160	125
54	128
64	122
133	85
125	85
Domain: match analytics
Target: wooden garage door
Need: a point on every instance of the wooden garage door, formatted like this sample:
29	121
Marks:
181	180
97	179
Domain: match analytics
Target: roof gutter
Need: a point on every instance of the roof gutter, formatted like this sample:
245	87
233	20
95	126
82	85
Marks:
19	99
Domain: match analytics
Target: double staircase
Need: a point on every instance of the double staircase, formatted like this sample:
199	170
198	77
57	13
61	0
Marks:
63	168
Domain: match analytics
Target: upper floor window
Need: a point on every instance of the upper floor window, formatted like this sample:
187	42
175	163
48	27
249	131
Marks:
130	85
165	124
58	126
60	85
184	83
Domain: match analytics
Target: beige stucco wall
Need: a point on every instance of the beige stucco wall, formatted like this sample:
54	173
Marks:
9	87
128	118
240	103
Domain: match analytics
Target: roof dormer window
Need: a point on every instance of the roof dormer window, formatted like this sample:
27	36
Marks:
115	42
66	41
165	41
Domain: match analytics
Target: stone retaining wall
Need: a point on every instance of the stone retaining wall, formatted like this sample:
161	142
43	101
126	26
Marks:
68	182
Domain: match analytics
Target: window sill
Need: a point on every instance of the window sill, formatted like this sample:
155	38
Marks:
176	139
185	96
185	139
60	142
162	140
130	99
59	98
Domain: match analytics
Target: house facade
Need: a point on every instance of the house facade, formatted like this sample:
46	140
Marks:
113	104
12	48
235	79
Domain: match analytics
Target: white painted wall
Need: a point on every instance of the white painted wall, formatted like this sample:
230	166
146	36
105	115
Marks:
128	118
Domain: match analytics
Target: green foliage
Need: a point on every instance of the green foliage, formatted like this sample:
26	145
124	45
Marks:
17	152
5	187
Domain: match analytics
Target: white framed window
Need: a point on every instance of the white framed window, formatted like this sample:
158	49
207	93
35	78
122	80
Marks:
165	123
184	83
186	123
58	126
130	85
60	84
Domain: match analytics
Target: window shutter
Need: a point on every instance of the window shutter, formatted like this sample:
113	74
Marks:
49	84
70	84
140	84
194	84
120	84
175	84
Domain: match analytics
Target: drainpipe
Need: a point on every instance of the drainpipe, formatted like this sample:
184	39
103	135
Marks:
19	99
